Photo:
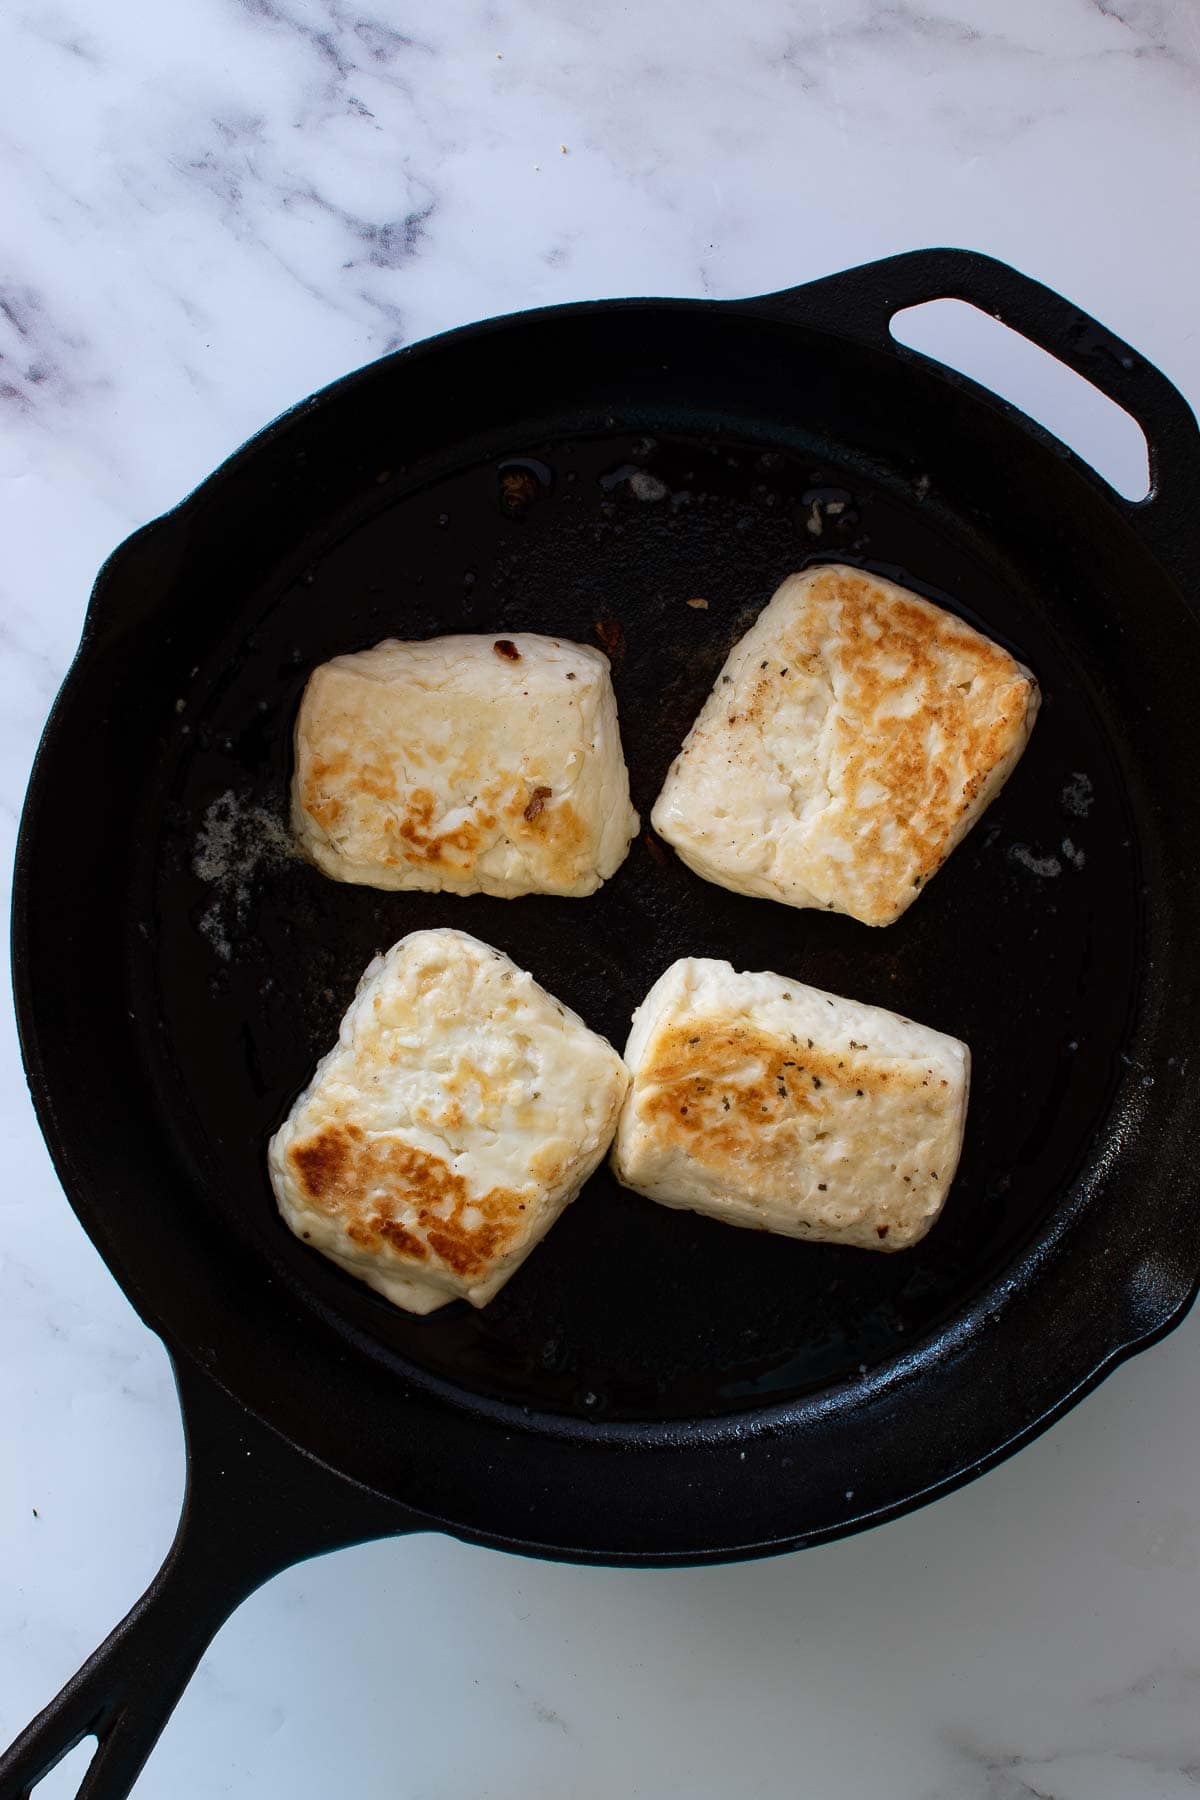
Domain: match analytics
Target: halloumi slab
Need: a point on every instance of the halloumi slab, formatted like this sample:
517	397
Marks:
766	1103
466	765
461	1109
852	739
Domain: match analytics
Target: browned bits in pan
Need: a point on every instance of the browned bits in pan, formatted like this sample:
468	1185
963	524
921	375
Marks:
518	489
610	637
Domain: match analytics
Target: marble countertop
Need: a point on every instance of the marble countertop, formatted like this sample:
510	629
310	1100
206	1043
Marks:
212	208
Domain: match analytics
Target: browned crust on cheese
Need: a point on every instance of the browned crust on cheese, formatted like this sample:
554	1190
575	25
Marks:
889	646
330	779
556	828
422	842
524	812
379	1189
724	1094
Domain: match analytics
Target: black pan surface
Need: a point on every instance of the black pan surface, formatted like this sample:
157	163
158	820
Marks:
1027	946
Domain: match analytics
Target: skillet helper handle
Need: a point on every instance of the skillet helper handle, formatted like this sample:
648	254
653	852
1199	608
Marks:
254	1506
862	302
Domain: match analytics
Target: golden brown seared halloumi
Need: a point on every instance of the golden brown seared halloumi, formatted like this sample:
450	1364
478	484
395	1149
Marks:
853	737
466	765
461	1109
766	1103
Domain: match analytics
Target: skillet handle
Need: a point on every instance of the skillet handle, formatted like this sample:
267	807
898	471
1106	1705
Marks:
862	302
254	1505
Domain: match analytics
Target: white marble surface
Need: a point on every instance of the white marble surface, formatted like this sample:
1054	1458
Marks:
208	209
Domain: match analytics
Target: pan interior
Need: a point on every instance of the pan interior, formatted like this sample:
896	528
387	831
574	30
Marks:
1026	944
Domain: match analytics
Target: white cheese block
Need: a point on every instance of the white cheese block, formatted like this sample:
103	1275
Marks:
459	1112
854	736
466	765
766	1103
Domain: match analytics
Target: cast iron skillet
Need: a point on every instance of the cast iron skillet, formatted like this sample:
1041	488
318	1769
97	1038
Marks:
652	1387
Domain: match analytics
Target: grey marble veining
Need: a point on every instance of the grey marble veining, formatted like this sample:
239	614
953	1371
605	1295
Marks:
207	211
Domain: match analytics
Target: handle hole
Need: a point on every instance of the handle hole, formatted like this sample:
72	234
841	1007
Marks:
1096	428
66	1777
